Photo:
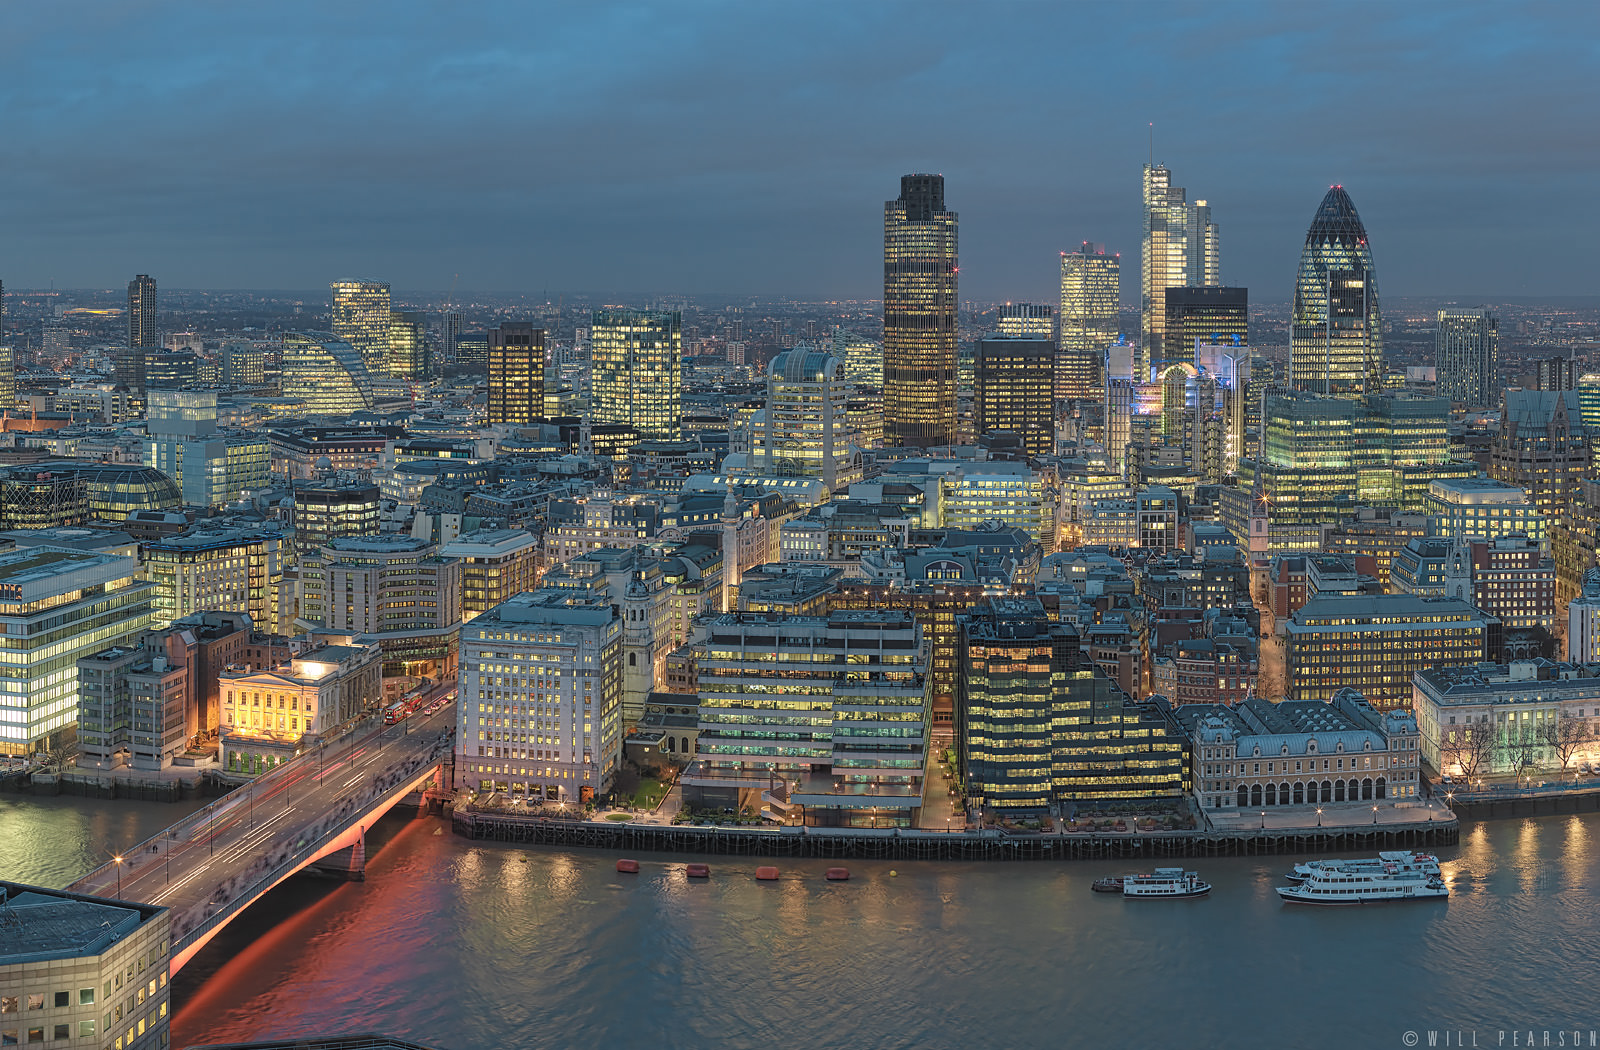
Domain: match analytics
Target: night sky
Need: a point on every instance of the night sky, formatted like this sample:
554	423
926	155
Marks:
747	148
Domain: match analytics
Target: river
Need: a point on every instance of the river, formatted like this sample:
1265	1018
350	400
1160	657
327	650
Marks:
474	946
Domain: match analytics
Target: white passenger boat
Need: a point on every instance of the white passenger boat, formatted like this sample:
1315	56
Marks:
1334	886
1399	860
1165	882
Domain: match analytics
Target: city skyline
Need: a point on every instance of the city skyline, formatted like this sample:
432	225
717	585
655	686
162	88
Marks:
291	177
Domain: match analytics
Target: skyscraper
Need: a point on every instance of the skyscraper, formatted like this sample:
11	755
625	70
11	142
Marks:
516	374
361	318
636	370
1090	290
1337	335
450	334
142	312
919	315
1213	315
1012	388
1180	250
1467	354
408	346
804	431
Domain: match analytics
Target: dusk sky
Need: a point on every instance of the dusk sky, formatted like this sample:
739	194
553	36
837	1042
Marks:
748	147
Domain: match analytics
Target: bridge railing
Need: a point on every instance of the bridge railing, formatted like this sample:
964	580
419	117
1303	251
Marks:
297	859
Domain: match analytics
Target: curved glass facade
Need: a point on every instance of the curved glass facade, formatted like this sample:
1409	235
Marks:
329	375
1337	339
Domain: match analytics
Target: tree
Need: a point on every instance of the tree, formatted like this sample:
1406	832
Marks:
1565	735
1470	748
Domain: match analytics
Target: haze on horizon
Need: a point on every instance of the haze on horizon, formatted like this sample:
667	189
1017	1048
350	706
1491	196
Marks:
728	148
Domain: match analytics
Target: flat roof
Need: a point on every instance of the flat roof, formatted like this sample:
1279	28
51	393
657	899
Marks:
38	924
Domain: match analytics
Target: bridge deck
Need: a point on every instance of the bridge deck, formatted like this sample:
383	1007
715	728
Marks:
210	865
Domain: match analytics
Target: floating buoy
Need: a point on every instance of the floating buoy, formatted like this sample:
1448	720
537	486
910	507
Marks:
698	871
629	866
767	873
892	872
838	874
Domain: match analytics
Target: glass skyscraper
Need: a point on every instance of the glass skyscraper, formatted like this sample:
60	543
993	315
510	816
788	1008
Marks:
1213	315
1091	286
408	345
1180	250
1337	335
636	370
919	315
361	312
1467	354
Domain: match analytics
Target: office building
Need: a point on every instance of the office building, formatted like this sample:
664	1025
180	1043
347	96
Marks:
863	358
919	315
243	364
209	468
636	371
804	430
271	714
1212	315
1180	251
1013	389
58	604
1087	321
8	377
34	498
1038	725
1466	351
408	356
540	710
1542	447
335	506
1526	717
361	313
1296	753
450	334
1026	319
847	739
142	312
516	374
1483	507
1336	339
1583	621
83	972
329	375
214	569
496	564
1375	643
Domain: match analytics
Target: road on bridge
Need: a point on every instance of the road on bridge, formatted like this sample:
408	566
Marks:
244	834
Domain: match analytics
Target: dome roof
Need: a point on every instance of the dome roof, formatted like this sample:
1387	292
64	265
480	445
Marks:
1336	219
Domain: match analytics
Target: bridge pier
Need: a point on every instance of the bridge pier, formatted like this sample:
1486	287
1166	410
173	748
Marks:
349	864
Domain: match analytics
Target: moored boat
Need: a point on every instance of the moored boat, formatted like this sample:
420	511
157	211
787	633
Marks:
1400	861
1109	884
1335	886
1165	882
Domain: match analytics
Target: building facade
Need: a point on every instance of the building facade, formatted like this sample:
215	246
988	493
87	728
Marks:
361	314
1091	292
516	374
636	371
1014	389
1467	355
919	315
1336	339
271	714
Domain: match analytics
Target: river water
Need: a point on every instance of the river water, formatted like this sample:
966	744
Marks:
472	946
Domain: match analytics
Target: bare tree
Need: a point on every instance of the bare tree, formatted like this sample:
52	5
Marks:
1472	749
1565	735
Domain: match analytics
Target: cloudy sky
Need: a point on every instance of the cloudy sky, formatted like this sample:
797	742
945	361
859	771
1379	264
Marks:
696	146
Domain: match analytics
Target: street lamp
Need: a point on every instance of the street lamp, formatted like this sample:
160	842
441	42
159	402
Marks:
1263	820
117	860
1319	816
1374	814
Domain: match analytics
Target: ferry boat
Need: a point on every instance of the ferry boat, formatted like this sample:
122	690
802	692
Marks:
1165	882
1333	886
1401	861
1110	884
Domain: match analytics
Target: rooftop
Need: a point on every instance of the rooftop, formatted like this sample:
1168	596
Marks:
39	924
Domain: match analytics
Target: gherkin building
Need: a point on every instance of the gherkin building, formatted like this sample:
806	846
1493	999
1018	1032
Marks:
1337	341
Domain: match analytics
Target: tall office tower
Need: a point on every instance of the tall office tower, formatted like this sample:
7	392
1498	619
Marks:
863	358
1212	315
1091	283
450	334
1027	320
516	374
804	431
1467	355
919	315
1557	373
8	379
636	370
1337	332
361	318
1180	250
142	311
408	344
1013	382
1120	385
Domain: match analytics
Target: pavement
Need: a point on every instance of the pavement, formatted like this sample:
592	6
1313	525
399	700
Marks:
1333	815
220	852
